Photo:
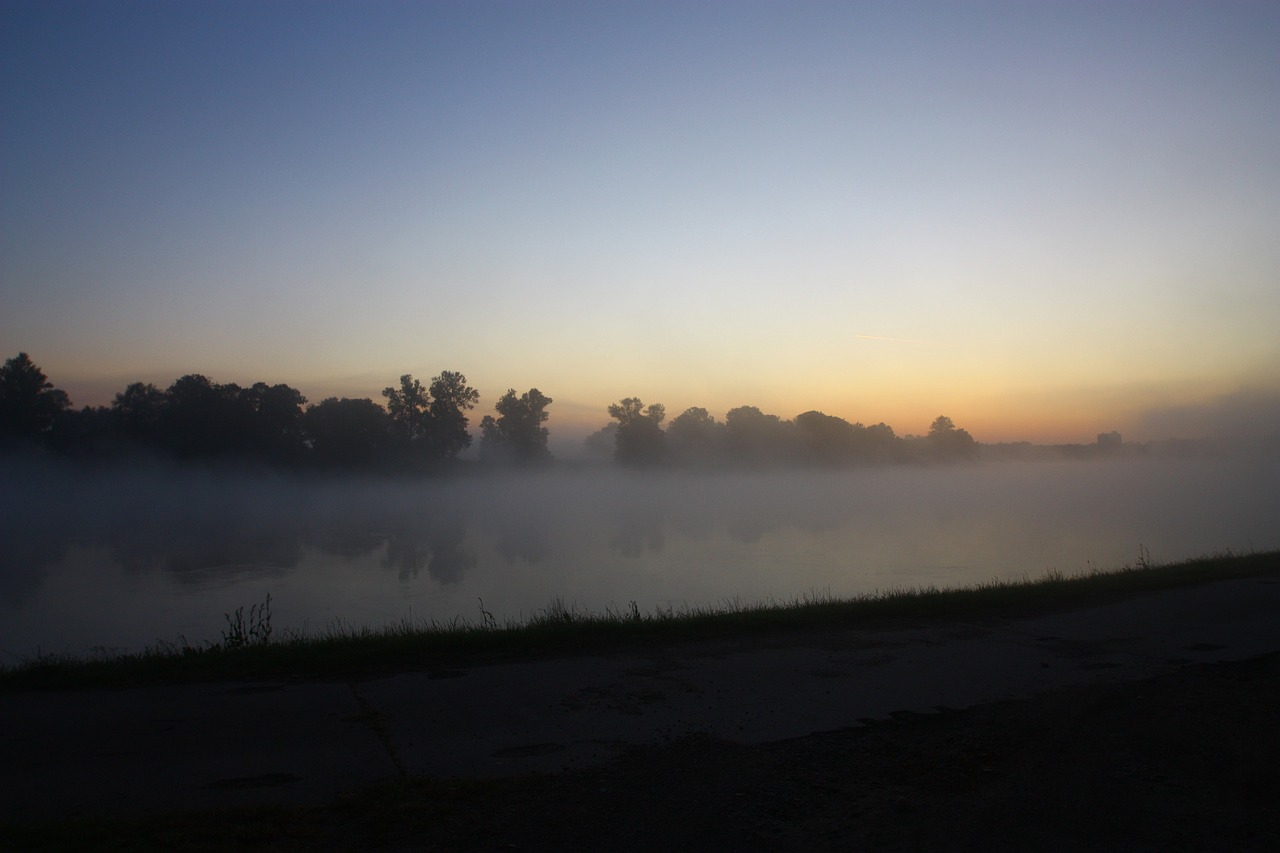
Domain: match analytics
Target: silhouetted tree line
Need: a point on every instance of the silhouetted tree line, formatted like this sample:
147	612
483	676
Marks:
422	428
748	437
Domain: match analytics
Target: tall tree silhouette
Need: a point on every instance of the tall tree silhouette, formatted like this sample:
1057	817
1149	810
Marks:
517	435
451	399
431	423
640	439
947	442
408	408
29	404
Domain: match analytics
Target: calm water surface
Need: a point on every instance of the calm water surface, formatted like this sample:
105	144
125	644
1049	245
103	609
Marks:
121	561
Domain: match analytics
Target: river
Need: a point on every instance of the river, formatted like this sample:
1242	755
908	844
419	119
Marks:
104	562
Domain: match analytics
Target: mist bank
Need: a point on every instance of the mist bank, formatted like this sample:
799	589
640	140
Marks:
127	556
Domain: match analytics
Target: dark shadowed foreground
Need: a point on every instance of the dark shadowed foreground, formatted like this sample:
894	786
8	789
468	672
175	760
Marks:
1183	761
1138	721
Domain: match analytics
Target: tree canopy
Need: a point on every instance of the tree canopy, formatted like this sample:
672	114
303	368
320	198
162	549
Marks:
517	435
695	438
425	428
640	440
346	433
29	404
947	442
430	424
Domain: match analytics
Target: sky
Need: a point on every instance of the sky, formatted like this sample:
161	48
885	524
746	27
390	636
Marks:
1044	220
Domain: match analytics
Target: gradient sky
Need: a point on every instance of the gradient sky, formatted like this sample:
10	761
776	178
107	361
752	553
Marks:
1044	220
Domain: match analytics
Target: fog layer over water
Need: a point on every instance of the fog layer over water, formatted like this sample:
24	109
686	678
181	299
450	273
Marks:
121	560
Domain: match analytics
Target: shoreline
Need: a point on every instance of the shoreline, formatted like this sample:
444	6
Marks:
249	652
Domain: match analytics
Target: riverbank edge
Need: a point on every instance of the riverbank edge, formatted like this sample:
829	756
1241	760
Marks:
248	653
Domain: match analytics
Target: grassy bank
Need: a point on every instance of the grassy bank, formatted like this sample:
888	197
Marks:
252	650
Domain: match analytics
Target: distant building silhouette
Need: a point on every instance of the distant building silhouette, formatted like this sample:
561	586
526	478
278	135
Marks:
1109	440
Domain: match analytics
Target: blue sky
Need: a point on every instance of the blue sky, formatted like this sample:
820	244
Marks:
1045	220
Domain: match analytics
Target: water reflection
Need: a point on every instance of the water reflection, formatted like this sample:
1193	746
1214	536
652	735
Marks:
27	549
637	534
599	537
439	546
522	541
199	552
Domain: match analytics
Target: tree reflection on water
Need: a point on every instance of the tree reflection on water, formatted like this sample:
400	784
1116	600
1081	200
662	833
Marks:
599	536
